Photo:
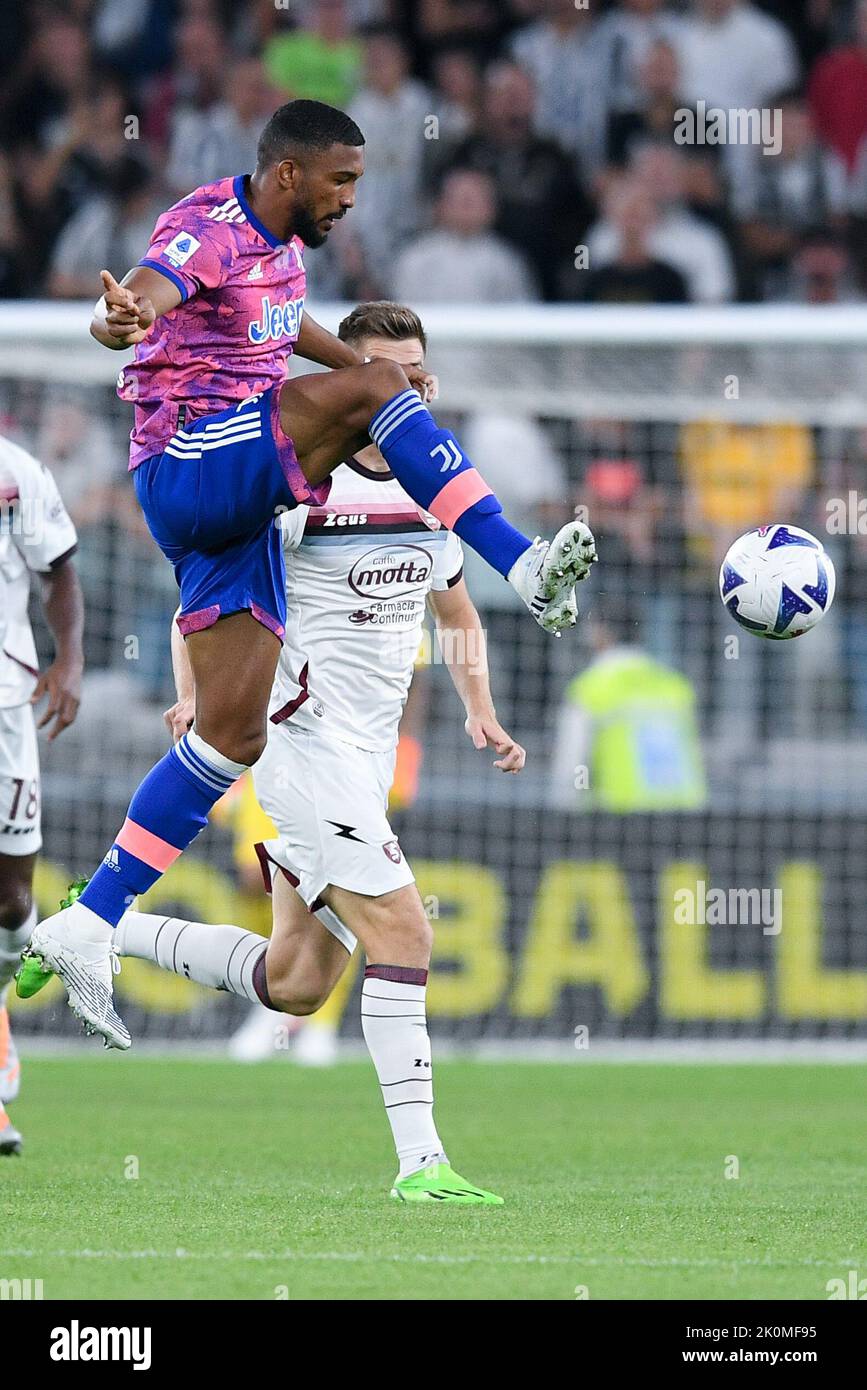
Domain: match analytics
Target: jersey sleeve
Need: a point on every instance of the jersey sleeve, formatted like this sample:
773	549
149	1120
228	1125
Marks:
44	533
187	249
292	526
449	564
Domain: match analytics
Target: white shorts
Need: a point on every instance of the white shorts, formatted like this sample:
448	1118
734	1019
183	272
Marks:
328	801
20	793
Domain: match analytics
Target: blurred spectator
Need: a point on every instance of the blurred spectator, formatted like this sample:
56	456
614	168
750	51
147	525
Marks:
559	54
541	208
627	737
54	72
321	60
134	35
732	55
678	238
221	140
777	198
624	40
476	24
196	78
457	96
821	271
77	445
462	261
838	93
12	279
653	112
88	148
635	275
390	109
815	23
108	232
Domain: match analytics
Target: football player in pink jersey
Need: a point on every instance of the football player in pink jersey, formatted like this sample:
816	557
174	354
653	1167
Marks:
222	444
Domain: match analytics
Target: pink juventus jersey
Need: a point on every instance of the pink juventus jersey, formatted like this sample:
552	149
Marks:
230	337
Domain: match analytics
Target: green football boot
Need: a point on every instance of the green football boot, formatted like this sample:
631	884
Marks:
440	1183
31	976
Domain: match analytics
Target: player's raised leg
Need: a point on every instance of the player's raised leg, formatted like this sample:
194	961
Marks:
293	972
330	417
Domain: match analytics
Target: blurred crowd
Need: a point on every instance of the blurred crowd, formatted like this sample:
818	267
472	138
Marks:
516	149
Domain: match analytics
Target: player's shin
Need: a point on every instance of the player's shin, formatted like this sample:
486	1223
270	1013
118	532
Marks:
394	1022
430	464
221	957
166	814
12	943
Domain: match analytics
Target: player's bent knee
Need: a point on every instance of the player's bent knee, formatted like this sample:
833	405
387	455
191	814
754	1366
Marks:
300	1002
383	380
242	745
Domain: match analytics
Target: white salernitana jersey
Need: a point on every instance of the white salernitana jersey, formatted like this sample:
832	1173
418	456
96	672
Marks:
358	573
35	532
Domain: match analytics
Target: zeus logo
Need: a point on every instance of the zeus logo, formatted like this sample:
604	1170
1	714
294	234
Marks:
277	321
450	452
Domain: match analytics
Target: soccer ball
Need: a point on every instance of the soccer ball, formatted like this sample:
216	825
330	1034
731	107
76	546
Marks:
777	581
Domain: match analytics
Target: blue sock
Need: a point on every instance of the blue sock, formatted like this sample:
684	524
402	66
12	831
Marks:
166	814
428	462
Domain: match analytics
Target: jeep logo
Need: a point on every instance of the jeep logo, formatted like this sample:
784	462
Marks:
277	321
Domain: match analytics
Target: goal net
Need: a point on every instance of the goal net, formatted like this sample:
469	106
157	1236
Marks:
683	856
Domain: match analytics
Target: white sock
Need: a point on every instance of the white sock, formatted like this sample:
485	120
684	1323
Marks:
85	925
520	570
12	943
394	1024
223	957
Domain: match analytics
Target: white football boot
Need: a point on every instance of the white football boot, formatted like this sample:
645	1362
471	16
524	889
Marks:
545	575
78	947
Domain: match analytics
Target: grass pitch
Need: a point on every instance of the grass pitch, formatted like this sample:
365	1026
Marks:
146	1178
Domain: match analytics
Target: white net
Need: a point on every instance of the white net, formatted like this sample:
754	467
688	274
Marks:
637	885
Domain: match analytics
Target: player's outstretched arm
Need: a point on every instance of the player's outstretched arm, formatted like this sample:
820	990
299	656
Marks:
127	312
316	344
462	643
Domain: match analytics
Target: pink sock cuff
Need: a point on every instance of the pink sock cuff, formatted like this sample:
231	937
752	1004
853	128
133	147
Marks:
458	496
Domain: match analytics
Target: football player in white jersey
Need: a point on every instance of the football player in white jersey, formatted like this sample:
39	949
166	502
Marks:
36	537
361	569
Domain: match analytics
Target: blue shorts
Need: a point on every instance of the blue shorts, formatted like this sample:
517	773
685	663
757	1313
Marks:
212	500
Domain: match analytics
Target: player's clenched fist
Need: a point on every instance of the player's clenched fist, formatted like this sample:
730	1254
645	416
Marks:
179	719
129	317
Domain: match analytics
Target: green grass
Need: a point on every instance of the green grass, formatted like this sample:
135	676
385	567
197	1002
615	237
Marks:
255	1178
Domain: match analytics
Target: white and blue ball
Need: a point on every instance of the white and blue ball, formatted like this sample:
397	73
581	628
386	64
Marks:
777	581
